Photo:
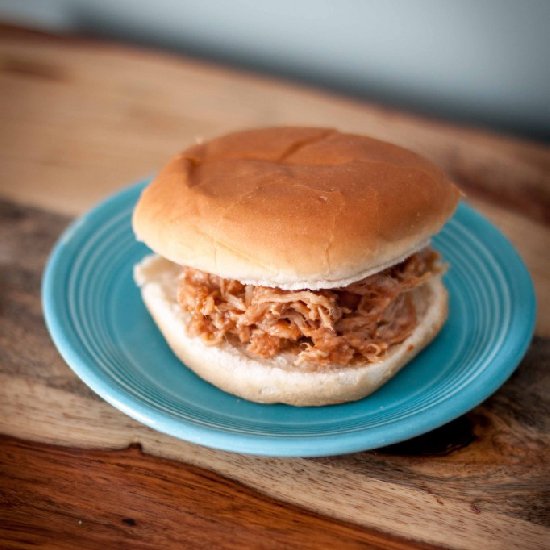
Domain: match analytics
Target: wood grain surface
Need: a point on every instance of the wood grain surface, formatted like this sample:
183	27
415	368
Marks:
80	119
150	503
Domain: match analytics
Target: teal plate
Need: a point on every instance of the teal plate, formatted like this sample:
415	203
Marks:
97	320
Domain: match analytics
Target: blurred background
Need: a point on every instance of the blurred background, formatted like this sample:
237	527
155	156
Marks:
481	62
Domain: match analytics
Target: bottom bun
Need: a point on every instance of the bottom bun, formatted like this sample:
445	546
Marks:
277	380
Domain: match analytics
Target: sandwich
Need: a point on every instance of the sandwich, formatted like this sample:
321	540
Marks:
293	264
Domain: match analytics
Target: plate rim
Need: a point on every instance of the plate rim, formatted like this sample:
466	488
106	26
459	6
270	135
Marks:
282	446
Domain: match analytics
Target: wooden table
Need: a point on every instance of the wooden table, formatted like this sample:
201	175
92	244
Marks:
81	119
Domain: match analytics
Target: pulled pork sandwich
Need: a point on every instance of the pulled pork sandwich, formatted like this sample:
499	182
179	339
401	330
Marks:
293	264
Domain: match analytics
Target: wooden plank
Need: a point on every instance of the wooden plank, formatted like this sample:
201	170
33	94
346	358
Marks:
481	481
81	119
151	503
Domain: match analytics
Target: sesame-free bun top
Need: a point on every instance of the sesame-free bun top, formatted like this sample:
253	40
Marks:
293	207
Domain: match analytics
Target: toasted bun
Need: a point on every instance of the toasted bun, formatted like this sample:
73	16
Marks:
293	207
278	380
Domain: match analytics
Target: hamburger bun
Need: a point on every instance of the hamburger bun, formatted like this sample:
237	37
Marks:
277	380
293	207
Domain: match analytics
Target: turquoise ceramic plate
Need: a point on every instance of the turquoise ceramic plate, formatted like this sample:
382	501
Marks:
97	320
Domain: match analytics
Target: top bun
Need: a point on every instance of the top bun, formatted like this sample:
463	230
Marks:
293	207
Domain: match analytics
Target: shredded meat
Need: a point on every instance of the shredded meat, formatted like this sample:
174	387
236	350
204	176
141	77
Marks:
342	326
